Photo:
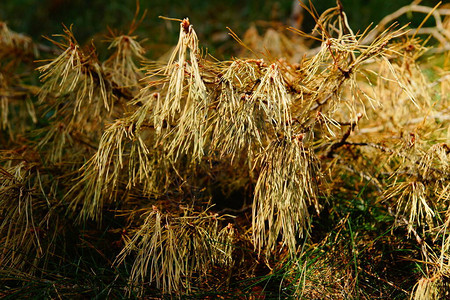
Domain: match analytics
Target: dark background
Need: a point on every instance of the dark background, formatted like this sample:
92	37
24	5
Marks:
210	18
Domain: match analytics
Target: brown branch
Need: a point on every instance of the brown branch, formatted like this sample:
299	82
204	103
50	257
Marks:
344	138
404	10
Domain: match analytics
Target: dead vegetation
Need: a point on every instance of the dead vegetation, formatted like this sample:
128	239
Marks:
339	156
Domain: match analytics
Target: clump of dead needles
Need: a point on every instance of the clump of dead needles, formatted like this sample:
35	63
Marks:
150	145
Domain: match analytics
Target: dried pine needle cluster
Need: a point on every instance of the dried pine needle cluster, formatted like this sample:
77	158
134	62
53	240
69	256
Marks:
184	247
152	144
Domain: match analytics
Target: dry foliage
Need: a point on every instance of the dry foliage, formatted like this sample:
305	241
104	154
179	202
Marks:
282	125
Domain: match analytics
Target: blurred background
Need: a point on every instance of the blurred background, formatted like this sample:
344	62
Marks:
91	18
